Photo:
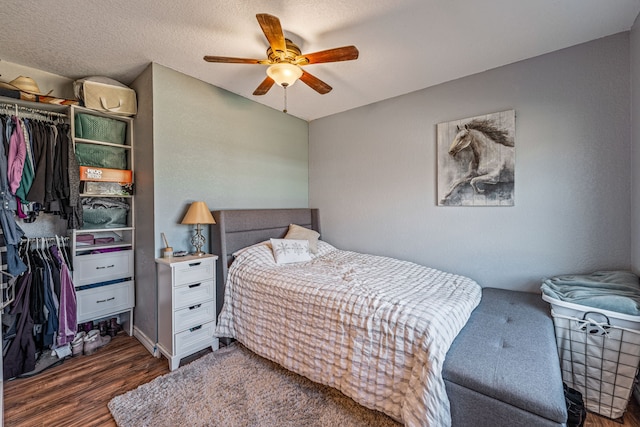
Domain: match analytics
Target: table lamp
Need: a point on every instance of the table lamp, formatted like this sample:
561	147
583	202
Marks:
198	213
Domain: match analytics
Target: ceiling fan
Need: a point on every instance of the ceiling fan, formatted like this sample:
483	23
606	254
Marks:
285	59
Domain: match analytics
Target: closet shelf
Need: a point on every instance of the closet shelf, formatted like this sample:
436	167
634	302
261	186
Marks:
102	230
124	196
84	248
96	142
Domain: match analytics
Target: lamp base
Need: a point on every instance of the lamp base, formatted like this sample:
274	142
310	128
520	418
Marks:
198	241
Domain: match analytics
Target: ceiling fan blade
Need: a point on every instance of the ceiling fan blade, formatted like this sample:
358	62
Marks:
345	53
264	86
228	60
272	31
315	83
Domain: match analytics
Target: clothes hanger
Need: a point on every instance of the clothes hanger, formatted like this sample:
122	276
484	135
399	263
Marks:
27	256
6	273
61	249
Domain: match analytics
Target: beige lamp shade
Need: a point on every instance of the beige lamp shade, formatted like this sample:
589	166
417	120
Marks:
198	213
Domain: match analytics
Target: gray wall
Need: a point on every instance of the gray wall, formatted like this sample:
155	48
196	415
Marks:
228	151
372	171
145	311
199	142
635	147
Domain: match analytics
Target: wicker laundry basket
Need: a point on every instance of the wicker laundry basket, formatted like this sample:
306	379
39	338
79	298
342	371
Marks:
599	354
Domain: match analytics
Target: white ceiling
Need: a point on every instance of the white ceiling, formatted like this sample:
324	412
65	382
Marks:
404	45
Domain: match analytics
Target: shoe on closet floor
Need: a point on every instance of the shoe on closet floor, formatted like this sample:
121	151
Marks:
87	326
113	327
47	359
102	326
77	345
93	341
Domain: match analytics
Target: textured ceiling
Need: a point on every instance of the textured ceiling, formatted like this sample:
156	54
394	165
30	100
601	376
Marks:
404	45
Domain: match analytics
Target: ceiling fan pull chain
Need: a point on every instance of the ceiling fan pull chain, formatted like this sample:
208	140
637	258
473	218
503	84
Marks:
285	99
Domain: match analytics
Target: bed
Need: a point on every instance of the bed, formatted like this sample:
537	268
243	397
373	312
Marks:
375	328
494	365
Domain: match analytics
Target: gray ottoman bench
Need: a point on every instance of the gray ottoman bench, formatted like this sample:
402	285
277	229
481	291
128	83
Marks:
503	369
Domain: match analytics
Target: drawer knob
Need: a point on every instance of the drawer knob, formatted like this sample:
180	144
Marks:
193	307
195	285
105	300
107	266
194	264
195	328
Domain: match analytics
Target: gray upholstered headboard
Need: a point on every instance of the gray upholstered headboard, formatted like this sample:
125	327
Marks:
236	229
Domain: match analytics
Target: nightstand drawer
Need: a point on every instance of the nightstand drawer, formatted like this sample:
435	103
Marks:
194	315
195	293
101	301
192	339
194	271
96	268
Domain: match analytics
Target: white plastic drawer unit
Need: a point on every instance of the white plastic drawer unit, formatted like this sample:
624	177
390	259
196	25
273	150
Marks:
194	271
96	268
104	300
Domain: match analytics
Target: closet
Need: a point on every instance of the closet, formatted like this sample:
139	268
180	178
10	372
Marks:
59	270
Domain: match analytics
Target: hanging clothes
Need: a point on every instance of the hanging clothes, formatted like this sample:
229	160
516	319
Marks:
21	352
61	165
44	312
41	167
36	297
44	162
38	173
75	219
17	154
68	303
11	230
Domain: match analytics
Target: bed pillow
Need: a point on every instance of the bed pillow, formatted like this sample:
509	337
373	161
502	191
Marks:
286	251
302	233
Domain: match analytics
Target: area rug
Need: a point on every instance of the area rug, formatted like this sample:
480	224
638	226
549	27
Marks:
234	387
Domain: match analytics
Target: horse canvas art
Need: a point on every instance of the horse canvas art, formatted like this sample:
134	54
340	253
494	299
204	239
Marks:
476	161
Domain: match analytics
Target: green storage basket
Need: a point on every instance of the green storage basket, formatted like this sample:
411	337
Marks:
100	128
101	156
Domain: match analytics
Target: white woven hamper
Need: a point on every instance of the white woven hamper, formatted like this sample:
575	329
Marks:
599	354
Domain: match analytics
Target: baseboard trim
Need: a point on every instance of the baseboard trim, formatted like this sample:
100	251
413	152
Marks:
147	343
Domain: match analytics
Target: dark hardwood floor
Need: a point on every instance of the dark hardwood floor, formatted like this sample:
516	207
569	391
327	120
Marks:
76	393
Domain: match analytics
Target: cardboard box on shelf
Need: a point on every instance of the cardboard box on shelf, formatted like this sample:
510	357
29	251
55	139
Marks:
90	173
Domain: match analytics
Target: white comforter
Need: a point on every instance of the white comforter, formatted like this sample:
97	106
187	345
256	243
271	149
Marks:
375	328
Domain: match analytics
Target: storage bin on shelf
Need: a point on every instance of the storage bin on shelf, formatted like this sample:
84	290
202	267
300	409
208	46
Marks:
599	353
98	128
94	173
101	156
92	188
101	213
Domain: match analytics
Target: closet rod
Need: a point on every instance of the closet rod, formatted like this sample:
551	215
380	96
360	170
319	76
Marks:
17	108
46	239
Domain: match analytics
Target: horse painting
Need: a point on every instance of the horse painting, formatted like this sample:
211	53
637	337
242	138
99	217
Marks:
492	157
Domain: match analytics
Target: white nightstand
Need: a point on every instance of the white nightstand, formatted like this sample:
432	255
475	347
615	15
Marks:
186	306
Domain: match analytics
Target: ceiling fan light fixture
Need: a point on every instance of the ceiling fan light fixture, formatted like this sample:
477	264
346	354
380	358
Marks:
284	74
